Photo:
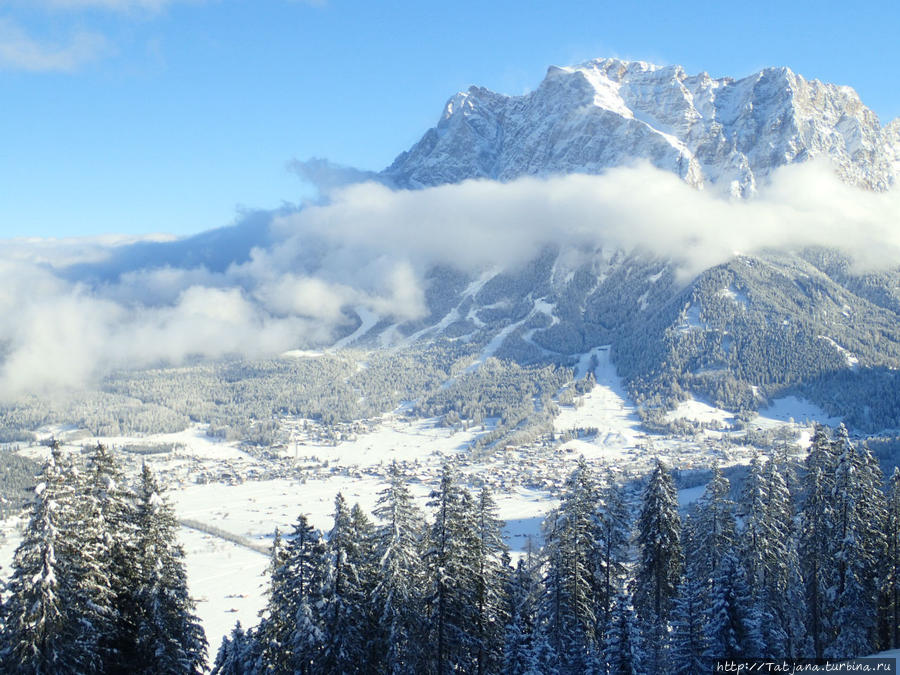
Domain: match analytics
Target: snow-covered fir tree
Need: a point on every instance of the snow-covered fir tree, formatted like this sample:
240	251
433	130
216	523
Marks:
568	606
613	538
399	589
291	631
272	634
519	655
733	623
346	614
817	545
687	639
170	637
713	531
491	579
234	656
660	563
625	653
363	559
39	634
110	502
769	557
96	596
858	522
121	605
545	660
450	576
890	586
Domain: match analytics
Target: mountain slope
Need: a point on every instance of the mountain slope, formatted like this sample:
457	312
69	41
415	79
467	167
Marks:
739	334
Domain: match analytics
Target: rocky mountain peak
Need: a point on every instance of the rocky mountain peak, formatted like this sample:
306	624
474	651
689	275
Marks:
713	132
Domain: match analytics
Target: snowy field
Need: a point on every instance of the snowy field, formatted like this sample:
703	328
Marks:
233	499
893	654
227	580
791	408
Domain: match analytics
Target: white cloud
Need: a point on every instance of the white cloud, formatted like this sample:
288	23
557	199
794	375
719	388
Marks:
476	224
371	247
20	51
65	251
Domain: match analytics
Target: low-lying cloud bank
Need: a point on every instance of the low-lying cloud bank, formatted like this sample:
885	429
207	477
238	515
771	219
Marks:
370	247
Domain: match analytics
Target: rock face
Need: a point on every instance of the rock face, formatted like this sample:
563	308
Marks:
711	132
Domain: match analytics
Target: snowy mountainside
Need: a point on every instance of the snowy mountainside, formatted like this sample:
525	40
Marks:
892	131
751	328
607	112
740	333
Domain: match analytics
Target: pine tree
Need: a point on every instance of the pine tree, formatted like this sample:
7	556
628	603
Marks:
858	522
170	637
875	522
687	641
307	639
234	655
890	586
491	569
613	537
273	630
92	605
96	598
39	632
253	650
399	591
544	659
733	627
109	503
451	577
625	654
756	535
519	655
347	618
363	558
714	531
291	634
568	607
660	563
817	542
768	555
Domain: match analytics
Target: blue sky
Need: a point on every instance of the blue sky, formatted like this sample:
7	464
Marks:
141	116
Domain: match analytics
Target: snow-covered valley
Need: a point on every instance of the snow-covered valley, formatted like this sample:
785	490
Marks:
231	499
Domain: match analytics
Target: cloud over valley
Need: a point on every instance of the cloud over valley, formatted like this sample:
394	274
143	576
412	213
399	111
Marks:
296	278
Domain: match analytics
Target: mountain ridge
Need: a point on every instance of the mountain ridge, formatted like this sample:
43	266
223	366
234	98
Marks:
603	113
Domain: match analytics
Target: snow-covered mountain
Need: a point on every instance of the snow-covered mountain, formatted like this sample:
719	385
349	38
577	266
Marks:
748	329
603	113
751	328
